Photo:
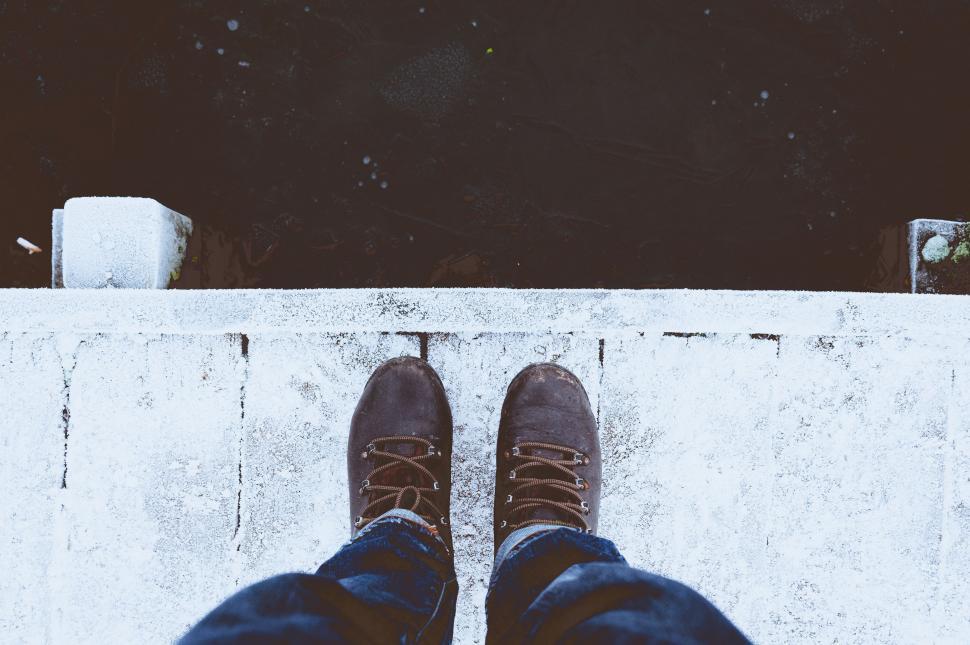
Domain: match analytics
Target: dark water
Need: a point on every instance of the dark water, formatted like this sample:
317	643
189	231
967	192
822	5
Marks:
528	144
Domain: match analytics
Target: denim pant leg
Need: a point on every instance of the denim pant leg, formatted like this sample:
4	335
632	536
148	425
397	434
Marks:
392	583
563	585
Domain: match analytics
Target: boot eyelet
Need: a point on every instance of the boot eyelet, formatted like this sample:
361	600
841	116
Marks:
363	486
503	524
432	451
435	486
368	450
585	507
508	499
511	474
581	483
589	531
443	521
358	521
515	451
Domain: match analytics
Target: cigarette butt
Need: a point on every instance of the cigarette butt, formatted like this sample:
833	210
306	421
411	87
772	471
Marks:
30	246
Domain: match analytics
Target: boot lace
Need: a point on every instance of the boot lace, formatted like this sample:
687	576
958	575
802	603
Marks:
400	496
560	492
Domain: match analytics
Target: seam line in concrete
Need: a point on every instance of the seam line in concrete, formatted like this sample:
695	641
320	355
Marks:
67	373
235	555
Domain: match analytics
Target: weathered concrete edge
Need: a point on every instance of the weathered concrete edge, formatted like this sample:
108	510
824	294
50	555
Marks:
503	310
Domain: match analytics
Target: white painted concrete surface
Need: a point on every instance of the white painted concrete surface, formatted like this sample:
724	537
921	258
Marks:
801	459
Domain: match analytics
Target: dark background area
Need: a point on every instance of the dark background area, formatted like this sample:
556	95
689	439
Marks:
527	144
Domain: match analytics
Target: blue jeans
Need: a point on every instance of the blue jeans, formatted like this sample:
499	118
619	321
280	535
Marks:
395	583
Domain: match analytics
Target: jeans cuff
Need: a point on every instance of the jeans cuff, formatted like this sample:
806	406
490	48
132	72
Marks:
403	514
515	539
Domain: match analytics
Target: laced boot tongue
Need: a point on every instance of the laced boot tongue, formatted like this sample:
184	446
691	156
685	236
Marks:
543	513
543	452
544	491
400	479
409	498
403	448
402	476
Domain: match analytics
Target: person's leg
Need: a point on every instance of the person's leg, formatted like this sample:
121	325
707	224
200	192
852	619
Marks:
554	580
394	581
564	585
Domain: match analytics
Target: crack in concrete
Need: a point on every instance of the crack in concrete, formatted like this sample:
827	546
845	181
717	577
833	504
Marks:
683	334
422	341
244	352
775	338
67	373
66	422
599	392
235	543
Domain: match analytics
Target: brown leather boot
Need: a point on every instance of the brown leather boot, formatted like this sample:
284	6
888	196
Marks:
399	454
548	466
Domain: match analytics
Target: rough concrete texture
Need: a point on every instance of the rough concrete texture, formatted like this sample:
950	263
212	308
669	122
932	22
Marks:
127	242
801	459
939	256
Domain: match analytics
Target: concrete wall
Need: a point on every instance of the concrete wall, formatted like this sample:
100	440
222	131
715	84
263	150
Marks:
802	459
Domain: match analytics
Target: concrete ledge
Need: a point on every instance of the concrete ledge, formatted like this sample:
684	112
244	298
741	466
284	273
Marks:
452	310
803	459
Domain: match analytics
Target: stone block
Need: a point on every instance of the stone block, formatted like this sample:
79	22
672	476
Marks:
126	242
